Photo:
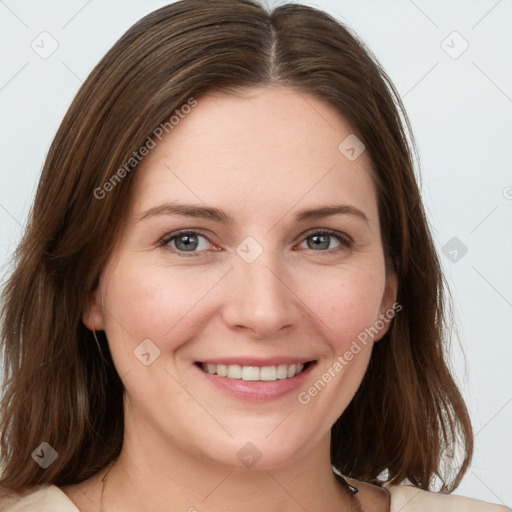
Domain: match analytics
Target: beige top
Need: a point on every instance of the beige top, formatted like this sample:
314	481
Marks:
404	498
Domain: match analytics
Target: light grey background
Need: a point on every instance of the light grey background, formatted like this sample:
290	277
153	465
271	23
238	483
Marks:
460	105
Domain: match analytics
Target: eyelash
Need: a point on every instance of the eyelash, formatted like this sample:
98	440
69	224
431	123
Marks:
345	241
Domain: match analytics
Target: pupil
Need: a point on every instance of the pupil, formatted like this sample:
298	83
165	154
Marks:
187	242
323	244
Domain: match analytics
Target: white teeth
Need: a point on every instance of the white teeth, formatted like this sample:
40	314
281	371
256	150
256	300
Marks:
234	371
250	373
254	373
268	373
282	371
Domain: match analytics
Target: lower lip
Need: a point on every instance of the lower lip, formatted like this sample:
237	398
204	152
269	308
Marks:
257	390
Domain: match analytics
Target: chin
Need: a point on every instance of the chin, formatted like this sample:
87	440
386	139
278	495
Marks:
257	450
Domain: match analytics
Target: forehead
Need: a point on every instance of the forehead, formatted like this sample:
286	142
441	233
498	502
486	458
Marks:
260	152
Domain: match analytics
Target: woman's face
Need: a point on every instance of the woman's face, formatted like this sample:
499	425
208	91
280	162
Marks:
230	259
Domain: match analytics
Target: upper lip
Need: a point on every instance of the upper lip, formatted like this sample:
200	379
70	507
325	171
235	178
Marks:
256	361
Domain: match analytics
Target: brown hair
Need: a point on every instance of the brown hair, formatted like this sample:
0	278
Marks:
59	390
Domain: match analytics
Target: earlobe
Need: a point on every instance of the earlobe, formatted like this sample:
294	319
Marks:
92	316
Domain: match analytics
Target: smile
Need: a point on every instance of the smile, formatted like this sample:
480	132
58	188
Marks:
254	373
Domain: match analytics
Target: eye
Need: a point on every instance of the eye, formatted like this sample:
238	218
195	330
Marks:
186	242
320	240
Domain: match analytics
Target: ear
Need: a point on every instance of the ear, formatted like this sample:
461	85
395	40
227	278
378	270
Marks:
388	307
92	316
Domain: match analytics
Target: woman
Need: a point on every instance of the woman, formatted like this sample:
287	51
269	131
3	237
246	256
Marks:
228	296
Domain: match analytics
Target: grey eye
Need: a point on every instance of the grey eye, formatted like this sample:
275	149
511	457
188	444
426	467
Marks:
322	241
187	242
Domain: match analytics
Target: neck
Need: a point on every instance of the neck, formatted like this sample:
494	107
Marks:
152	473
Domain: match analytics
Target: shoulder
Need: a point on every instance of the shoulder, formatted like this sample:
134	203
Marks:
406	498
39	499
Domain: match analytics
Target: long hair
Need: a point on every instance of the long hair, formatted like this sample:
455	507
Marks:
59	389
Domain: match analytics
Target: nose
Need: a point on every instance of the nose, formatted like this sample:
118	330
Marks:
260	299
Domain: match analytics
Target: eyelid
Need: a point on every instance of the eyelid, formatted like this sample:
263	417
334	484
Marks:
339	234
175	234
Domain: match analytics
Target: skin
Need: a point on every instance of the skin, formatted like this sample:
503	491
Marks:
261	157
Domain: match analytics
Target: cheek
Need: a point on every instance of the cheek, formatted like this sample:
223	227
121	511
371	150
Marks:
152	303
346	305
345	301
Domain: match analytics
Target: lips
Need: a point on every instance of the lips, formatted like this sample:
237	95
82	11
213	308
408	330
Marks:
252	379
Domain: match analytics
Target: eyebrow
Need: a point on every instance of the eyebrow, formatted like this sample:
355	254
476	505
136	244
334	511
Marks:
217	215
